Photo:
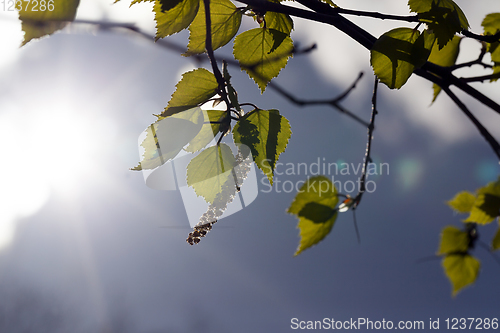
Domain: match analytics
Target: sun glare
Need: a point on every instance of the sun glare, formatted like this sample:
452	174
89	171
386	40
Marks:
62	143
52	148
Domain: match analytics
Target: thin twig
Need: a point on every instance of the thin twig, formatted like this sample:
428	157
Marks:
489	138
487	248
483	38
351	88
481	78
411	18
478	61
332	102
368	159
356	226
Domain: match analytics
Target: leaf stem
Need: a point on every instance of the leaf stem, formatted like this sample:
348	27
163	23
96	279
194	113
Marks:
210	53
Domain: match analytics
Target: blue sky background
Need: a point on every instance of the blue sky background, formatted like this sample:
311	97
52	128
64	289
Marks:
95	250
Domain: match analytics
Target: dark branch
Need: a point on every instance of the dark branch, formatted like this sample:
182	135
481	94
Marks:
443	76
324	13
327	14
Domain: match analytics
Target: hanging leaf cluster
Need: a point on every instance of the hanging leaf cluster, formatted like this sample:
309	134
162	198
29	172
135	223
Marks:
482	207
215	173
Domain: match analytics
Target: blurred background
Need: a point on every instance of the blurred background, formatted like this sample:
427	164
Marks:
86	246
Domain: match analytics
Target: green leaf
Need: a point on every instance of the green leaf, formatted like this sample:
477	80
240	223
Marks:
461	270
195	87
445	57
397	53
280	22
495	243
314	205
316	212
491	25
496	72
225	20
176	19
444	18
486	208
37	23
262	53
453	241
207	172
207	132
266	132
462	202
166	137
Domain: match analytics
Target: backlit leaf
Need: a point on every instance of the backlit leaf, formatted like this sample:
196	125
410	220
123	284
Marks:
166	137
496	72
397	53
225	21
445	57
314	205
453	240
461	270
262	53
207	172
266	132
486	208
278	21
444	18
176	19
195	87
207	132
37	23
462	202
491	25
